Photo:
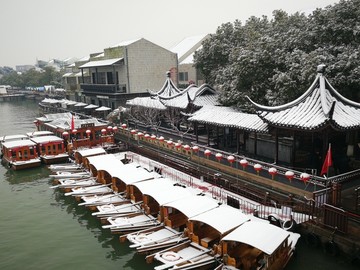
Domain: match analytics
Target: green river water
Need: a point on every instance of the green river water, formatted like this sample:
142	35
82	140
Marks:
40	228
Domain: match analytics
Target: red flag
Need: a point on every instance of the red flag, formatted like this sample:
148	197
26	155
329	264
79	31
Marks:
72	123
327	162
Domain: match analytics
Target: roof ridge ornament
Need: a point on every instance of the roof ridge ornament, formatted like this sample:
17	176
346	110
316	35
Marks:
321	68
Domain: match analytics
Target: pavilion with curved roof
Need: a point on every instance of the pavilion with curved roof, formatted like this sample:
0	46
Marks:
319	117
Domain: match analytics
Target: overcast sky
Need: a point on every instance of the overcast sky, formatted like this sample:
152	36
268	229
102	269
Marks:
47	29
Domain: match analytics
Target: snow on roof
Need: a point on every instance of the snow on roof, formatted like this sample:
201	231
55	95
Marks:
193	205
18	143
125	43
101	63
319	106
136	174
91	151
80	104
188	44
91	106
223	218
47	139
39	133
260	235
63	121
104	162
13	137
228	117
199	96
146	102
163	190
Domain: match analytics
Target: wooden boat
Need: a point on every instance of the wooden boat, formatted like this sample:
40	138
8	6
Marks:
257	245
206	229
20	154
51	149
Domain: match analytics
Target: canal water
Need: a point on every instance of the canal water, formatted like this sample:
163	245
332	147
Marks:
40	228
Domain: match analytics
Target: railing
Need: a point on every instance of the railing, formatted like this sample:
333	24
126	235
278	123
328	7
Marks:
103	88
335	218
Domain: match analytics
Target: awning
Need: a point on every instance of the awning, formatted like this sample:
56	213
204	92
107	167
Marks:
80	104
103	108
91	106
102	63
263	236
223	218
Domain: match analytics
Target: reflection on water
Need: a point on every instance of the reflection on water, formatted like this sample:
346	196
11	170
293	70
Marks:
28	175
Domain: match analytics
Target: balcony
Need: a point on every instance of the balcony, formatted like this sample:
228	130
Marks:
103	88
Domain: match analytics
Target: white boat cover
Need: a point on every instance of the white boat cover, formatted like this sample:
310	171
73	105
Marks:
104	162
193	205
135	174
260	235
92	151
223	218
163	190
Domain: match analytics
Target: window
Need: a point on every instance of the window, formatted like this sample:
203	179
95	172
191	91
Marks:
183	76
110	79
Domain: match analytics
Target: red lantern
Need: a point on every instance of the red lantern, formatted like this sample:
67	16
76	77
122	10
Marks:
289	175
109	128
272	172
140	134
153	137
195	148
207	153
218	156
65	134
257	167
74	131
169	142
244	163
103	131
115	128
133	131
177	145
147	136
88	132
231	159
186	147
305	177
161	139
124	126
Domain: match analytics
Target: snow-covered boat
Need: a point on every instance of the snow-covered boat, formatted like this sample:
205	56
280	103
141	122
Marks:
257	245
150	240
51	149
111	210
66	167
68	184
19	154
66	174
93	201
92	190
133	222
187	255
